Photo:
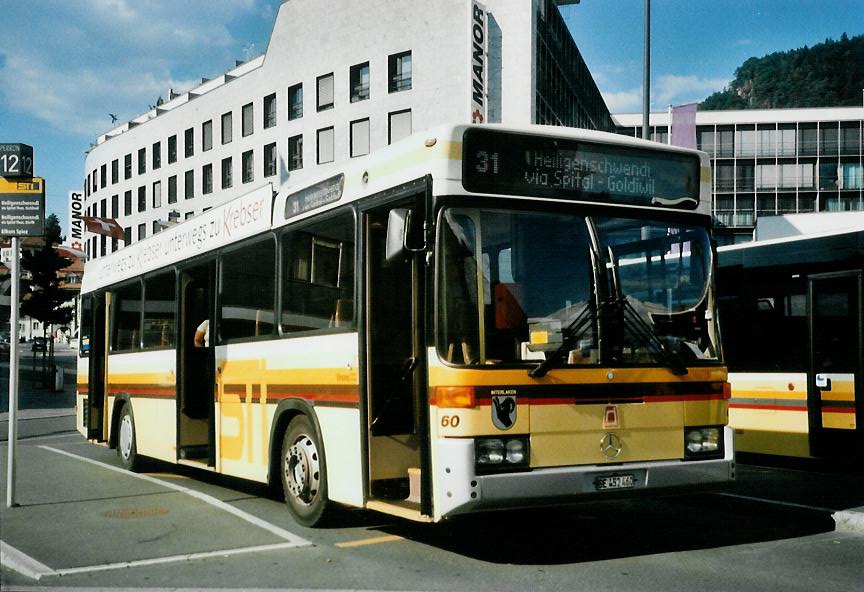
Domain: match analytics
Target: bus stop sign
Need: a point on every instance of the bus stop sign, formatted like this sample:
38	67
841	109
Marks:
22	207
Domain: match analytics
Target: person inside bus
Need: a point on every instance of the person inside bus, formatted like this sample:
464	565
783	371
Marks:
202	334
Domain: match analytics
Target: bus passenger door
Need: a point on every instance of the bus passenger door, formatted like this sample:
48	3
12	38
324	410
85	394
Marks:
196	363
835	385
395	366
95	310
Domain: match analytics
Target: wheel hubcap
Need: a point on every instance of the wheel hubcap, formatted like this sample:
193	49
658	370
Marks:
302	470
125	437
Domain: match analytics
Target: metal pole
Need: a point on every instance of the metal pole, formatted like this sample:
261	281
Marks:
646	70
13	373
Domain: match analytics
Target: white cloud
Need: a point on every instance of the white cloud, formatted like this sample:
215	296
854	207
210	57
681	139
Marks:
678	90
80	61
626	101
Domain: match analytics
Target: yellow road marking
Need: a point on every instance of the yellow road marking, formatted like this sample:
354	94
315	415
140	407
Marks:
166	475
373	541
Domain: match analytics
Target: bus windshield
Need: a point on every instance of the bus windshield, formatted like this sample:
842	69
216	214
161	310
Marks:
516	286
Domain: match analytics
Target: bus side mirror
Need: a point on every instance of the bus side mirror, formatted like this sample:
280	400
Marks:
401	233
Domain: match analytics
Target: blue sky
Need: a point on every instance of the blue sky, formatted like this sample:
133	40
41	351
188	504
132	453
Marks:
67	64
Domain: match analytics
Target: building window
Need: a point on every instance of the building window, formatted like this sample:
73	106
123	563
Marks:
115	171
103	208
295	101
93	177
172	189
115	206
103	176
398	125
188	215
207	179
207	135
227	179
269	111
248	124
127	235
157	155
142	231
189	142
270	160
295	153
359	82
399	71
157	194
172	149
248	167
325	92
360	137
142	198
127	203
227	122
325	145
705	141
189	184
142	161
127	169
102	243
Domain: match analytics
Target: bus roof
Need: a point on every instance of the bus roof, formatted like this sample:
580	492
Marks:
827	247
437	153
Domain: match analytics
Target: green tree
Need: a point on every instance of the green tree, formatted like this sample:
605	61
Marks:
41	295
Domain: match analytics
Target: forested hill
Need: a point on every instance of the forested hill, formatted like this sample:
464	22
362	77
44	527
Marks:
829	74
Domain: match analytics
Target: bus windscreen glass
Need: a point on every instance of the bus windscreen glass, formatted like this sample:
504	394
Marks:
511	163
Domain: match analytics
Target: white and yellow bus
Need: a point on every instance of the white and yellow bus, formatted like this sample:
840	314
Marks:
792	316
477	317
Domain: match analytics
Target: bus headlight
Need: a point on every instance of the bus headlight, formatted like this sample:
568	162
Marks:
501	454
703	442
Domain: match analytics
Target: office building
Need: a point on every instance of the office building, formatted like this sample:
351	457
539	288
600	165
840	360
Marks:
336	83
773	162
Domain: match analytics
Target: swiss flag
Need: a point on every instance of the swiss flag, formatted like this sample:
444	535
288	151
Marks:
104	226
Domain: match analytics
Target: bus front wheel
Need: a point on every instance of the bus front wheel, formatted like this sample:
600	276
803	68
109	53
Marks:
304	477
127	447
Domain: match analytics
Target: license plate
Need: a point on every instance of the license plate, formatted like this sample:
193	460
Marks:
614	482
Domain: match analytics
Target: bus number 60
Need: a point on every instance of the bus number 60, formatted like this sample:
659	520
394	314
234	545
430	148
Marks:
450	421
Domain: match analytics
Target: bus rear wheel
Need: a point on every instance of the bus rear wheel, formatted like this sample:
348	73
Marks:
304	478
127	447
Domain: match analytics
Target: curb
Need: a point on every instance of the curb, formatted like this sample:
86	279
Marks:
848	521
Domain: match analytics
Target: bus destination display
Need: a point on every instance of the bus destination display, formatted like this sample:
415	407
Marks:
517	164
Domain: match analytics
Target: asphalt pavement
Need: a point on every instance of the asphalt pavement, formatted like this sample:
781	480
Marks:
81	515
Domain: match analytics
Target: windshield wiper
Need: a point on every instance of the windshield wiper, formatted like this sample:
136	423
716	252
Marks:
645	333
570	334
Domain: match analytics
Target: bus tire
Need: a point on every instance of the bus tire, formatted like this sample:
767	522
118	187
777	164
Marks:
127	446
304	476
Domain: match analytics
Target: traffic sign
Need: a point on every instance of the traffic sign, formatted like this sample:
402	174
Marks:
22	207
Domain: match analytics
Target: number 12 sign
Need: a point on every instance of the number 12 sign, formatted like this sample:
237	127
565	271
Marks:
16	160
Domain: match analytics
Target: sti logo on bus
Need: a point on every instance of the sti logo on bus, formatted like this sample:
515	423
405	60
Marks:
478	62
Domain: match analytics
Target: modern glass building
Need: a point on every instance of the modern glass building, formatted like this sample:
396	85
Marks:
774	162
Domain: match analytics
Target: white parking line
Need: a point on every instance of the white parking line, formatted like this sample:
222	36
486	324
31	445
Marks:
271	528
33	569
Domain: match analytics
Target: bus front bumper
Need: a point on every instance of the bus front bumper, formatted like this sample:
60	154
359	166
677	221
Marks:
461	490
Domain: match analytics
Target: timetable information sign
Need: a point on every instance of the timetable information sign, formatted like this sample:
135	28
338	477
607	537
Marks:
22	207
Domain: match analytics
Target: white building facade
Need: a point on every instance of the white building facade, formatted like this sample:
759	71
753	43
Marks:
337	84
